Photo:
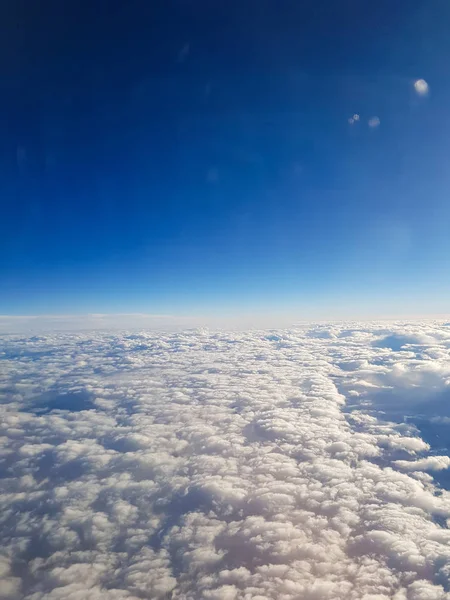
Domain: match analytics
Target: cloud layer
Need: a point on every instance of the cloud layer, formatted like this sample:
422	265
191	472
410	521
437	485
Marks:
223	466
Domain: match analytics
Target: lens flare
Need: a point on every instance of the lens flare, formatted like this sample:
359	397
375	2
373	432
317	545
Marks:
421	87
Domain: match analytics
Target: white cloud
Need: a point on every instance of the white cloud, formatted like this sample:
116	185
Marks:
246	465
431	463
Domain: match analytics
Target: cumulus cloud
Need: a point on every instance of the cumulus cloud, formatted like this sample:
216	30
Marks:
431	463
222	465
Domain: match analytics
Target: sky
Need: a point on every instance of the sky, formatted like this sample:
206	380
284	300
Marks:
203	157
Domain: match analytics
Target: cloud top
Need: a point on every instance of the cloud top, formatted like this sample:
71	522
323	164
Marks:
221	465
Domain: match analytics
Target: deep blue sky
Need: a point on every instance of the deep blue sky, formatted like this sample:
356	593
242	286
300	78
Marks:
197	156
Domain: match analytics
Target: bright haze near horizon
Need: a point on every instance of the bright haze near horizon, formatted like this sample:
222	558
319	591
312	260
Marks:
203	158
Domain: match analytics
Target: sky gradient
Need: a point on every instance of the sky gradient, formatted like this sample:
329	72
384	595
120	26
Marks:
197	157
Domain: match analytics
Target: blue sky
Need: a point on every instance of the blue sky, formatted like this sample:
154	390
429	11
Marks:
198	157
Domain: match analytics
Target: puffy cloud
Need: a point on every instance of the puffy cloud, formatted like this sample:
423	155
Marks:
431	463
223	465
